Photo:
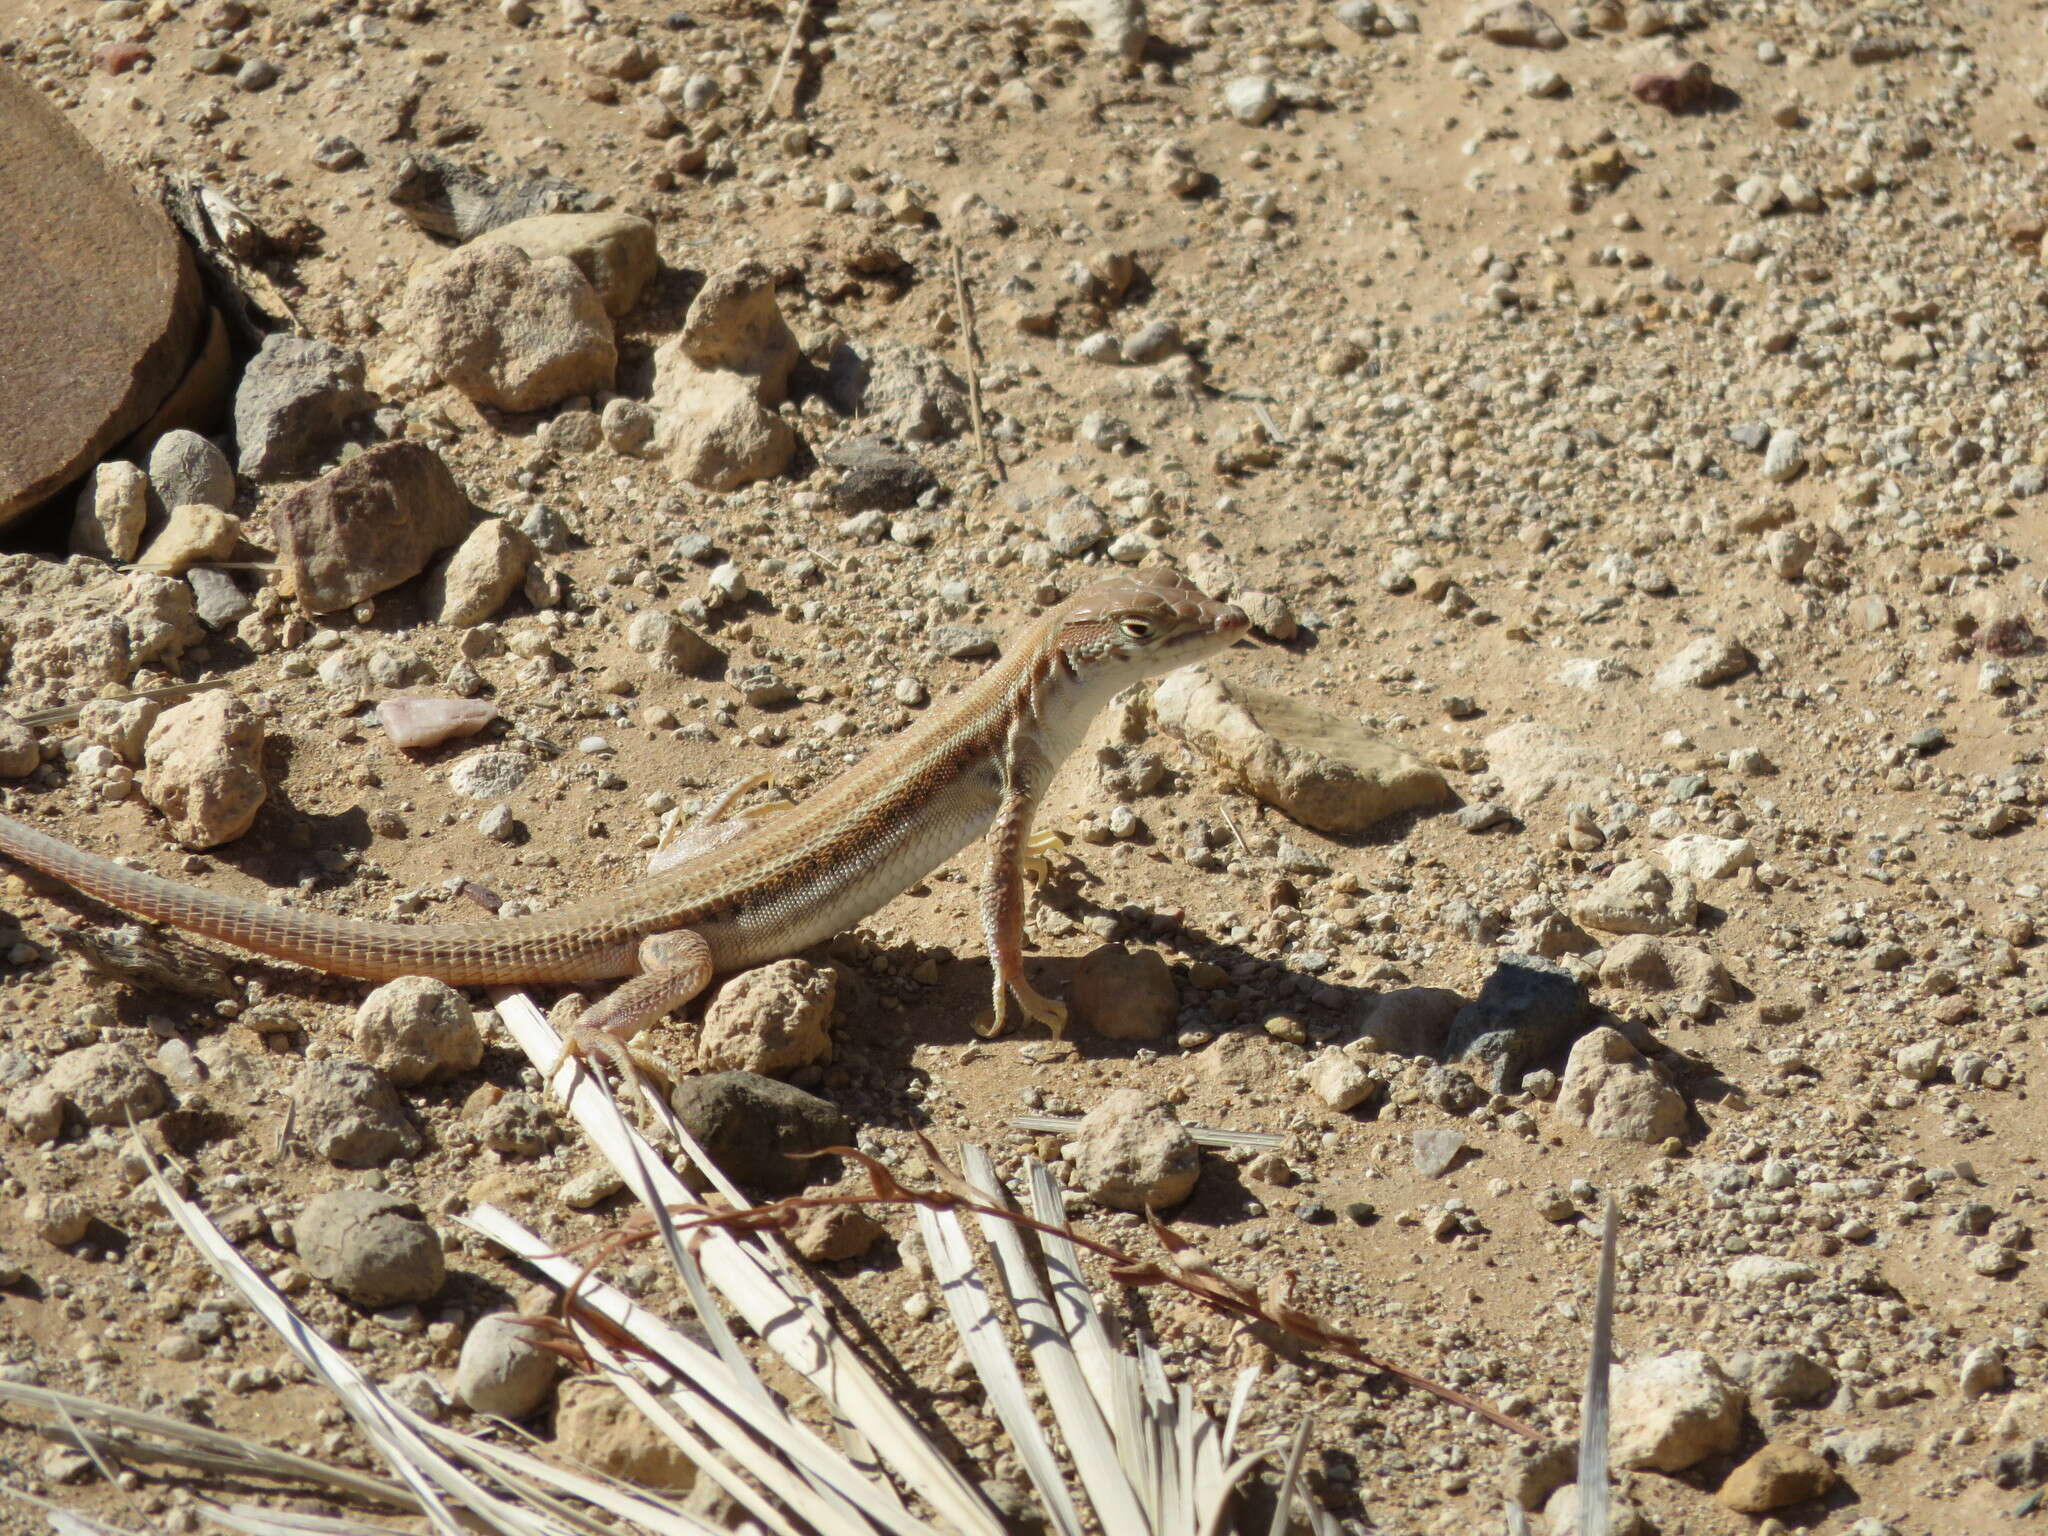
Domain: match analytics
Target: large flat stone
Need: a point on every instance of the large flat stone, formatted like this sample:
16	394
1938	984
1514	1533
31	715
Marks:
100	305
1318	767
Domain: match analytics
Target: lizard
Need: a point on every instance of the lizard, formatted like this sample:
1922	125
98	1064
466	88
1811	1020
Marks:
762	888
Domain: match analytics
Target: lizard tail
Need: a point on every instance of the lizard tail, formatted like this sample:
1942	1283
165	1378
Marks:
466	954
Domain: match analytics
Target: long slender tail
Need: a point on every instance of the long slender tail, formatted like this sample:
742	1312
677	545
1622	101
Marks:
546	948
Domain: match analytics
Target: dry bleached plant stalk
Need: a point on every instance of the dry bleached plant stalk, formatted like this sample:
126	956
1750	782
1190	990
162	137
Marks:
1185	1267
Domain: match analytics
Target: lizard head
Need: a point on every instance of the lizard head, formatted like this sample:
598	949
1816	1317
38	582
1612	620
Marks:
1132	627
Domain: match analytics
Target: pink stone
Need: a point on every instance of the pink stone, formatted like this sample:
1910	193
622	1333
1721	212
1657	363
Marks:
418	723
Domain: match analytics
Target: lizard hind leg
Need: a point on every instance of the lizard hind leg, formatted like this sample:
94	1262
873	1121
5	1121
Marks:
674	967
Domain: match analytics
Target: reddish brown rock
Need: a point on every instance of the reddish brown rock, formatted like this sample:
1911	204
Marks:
369	525
100	307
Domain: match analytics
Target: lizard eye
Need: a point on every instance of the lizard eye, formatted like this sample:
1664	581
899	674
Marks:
1137	629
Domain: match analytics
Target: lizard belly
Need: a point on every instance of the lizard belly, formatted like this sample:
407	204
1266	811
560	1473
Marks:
826	899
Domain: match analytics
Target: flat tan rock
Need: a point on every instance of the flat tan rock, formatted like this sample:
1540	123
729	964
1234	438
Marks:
1317	767
100	306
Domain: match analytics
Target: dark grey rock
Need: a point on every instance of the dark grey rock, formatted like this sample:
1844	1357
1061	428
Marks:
217	600
749	1124
1528	1009
371	1247
349	1113
296	396
876	478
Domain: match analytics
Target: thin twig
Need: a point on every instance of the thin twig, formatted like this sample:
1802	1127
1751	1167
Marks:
970	354
60	714
796	27
1204	1136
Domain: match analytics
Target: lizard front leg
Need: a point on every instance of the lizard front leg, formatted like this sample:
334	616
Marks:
674	967
1002	917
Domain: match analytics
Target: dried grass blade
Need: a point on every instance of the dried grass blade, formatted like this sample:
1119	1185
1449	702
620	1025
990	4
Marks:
255	1521
773	1474
1079	1315
1082	1427
1290	1481
66	1522
1518	1520
207	1449
1594	1515
641	1509
988	1349
788	1317
430	1475
706	1375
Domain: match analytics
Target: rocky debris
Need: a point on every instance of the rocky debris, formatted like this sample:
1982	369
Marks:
203	769
1638	897
1643	963
503	1371
1983	1370
59	1219
615	252
1436	1151
1768	1272
101	309
113	509
348	1113
718	382
1317	767
1410	1021
751	1124
1526	1010
20	753
1518	24
517	1125
1541	764
509	331
418	1030
1774	1477
671	647
35	1113
365	527
216	598
1609	1090
483	573
1340	1082
1672	1411
1124	993
1784	1376
833	1234
1131	1153
186	469
770	1020
447	199
1118	27
596	1427
1685	87
491	774
192	535
876	478
1561	1515
106	1084
1697	856
1251	99
295	399
900	391
370	1247
1708	660
415	725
